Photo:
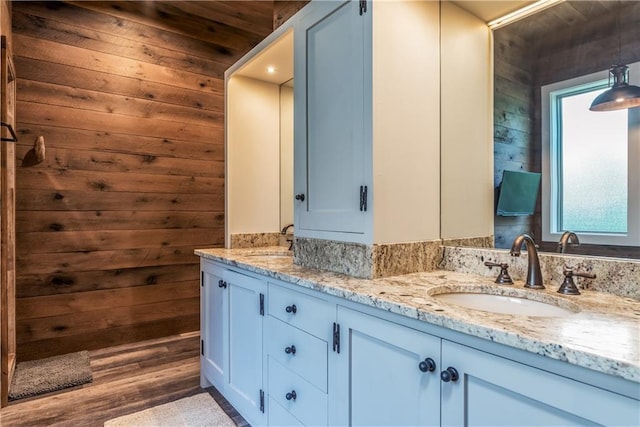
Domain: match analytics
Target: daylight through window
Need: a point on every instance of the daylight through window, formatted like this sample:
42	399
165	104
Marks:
590	165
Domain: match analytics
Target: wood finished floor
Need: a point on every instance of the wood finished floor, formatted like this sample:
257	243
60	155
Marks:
126	379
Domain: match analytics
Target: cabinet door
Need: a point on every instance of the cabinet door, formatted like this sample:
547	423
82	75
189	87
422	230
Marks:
332	73
495	391
244	371
377	379
213	325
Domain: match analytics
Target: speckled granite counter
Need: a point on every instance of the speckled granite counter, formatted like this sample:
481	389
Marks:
604	335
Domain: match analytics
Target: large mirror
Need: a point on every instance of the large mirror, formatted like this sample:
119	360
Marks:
259	144
566	41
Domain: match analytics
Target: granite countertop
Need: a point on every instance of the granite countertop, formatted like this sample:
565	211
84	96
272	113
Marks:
603	334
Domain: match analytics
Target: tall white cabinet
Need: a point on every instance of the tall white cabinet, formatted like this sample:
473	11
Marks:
367	121
332	151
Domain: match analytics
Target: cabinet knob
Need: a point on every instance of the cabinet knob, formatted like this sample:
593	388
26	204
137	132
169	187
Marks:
290	350
291	309
291	395
300	197
451	374
427	365
222	283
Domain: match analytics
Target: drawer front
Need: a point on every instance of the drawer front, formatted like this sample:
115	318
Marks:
280	417
298	351
310	403
312	315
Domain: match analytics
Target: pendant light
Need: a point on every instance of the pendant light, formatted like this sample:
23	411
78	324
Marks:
622	94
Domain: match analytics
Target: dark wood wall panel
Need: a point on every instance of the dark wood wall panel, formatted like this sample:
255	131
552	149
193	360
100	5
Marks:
110	142
129	99
285	9
592	46
7	203
513	145
71	282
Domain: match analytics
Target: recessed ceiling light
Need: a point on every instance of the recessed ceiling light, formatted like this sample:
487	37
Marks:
271	69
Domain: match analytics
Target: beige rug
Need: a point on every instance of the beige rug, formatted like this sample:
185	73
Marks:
36	377
198	410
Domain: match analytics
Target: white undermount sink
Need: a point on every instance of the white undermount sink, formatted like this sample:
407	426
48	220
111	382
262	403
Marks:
507	304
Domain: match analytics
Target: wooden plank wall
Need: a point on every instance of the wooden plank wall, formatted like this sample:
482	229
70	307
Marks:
129	99
285	9
513	145
7	255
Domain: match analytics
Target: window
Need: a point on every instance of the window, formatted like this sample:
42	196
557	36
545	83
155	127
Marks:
590	162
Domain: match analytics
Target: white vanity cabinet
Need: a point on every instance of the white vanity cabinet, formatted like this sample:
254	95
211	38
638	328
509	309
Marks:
297	331
491	390
213	325
231	332
391	374
315	359
366	101
385	374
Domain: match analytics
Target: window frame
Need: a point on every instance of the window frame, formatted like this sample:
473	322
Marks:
549	139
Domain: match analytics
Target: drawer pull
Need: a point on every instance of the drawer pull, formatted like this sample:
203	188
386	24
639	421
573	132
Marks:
291	396
290	350
451	374
291	309
427	365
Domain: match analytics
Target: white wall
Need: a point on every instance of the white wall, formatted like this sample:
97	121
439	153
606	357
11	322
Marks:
286	156
406	121
253	156
467	125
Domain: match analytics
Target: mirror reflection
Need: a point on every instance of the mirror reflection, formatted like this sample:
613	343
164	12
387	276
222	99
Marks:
538	61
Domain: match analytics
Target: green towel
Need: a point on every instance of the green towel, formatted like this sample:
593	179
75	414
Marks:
518	193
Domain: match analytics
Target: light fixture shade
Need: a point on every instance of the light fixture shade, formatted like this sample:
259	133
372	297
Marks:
621	95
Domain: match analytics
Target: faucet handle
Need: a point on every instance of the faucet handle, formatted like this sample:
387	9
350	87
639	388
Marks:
568	287
503	277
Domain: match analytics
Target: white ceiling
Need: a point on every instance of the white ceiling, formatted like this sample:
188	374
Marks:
490	10
279	55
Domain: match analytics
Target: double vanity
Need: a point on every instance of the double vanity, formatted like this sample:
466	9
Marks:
289	345
380	317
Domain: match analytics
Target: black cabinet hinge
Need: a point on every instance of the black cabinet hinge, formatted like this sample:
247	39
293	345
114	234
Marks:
336	337
262	401
363	7
363	198
202	278
202	347
261	304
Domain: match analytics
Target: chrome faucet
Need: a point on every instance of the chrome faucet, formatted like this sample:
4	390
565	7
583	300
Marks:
534	274
566	238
